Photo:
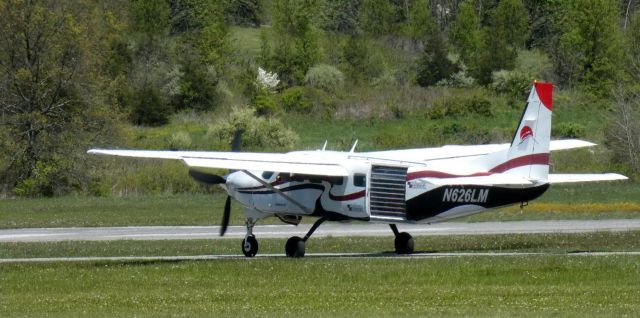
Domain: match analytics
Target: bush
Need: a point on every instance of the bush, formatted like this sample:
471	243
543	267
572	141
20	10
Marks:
325	77
477	104
294	99
150	107
258	132
569	130
179	141
515	84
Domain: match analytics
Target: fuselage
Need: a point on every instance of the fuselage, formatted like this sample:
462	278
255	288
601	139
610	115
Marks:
376	190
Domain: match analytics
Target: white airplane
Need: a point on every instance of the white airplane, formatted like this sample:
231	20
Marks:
399	186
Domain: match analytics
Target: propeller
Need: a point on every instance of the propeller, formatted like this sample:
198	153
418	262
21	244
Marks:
206	178
211	179
225	216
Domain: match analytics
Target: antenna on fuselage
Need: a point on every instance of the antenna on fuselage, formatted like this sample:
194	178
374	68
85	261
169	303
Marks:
325	145
353	149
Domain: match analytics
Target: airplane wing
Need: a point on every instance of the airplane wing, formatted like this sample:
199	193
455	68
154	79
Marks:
490	180
454	151
572	178
293	163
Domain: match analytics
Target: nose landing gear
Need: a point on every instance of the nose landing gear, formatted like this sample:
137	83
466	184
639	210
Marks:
250	244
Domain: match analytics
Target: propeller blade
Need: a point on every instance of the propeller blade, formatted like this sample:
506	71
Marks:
207	178
225	216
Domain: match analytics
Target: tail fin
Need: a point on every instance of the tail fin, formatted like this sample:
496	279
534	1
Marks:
528	155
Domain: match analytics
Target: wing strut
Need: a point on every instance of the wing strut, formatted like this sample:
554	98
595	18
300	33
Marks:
272	188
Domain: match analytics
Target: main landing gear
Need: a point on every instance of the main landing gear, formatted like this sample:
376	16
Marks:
295	245
403	241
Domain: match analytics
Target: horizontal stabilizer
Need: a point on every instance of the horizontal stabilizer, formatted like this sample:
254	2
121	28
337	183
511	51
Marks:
495	179
571	178
566	144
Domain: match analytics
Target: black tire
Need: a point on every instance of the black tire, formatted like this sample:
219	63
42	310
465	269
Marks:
294	247
404	243
250	246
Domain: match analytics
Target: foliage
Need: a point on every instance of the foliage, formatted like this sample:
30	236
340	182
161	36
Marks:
179	141
434	65
477	104
623	133
50	98
360	63
257	132
588	48
376	16
149	106
244	12
325	77
339	16
465	33
515	84
295	47
568	130
304	100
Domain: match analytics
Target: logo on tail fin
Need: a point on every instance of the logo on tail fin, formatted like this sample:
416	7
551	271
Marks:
525	133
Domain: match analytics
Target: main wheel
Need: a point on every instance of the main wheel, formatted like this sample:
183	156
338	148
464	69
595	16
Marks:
404	243
294	247
250	246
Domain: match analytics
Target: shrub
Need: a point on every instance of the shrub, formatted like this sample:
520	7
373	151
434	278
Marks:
477	104
569	130
325	77
150	107
179	141
294	99
515	84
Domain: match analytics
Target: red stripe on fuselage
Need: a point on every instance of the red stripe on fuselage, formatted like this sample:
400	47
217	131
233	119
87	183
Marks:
534	159
348	197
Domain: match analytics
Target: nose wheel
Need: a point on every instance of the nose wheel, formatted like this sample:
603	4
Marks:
403	242
250	246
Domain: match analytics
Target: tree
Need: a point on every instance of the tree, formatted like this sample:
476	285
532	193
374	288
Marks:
46	98
295	47
339	16
244	12
623	134
465	34
377	17
588	48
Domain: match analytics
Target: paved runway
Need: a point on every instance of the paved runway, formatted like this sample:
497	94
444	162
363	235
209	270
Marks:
327	229
424	255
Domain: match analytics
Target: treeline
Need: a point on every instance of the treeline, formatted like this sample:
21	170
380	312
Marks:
73	73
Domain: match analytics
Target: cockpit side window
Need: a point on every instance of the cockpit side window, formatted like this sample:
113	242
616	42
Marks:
267	175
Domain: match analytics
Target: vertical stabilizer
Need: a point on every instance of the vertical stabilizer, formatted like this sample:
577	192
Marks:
528	155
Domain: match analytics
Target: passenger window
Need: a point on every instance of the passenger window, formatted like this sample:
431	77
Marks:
338	181
267	175
360	180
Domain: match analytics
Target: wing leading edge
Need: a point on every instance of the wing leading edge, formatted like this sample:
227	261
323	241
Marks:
291	163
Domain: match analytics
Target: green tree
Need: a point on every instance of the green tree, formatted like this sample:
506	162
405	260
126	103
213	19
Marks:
244	12
339	16
465	33
295	47
49	106
377	17
588	48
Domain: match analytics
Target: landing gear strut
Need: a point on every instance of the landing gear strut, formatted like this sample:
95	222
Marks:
250	244
295	245
403	241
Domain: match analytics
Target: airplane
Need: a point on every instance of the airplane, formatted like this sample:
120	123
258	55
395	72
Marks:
424	185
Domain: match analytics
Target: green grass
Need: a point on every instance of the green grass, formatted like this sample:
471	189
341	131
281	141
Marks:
549	243
469	286
530	286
